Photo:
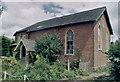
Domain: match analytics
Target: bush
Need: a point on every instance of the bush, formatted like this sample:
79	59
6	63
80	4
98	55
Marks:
38	71
11	65
77	60
49	46
5	42
101	70
114	57
80	72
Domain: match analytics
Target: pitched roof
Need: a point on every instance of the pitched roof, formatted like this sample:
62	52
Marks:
86	16
29	44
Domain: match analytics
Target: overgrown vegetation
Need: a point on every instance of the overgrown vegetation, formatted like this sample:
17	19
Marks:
77	60
101	70
49	46
37	71
5	42
114	57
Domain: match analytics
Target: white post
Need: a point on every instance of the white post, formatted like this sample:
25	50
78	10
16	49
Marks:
25	77
68	65
4	75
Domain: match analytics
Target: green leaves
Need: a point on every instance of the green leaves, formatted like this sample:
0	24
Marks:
49	46
5	42
114	57
1	8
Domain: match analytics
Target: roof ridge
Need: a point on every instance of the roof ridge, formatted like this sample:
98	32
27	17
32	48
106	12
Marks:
72	14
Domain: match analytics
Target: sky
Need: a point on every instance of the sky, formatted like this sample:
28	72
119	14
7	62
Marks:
18	15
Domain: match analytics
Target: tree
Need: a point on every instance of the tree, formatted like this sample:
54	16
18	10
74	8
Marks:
49	46
114	57
1	8
5	42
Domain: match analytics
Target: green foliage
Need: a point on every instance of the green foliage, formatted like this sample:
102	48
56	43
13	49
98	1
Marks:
80	72
114	57
84	73
101	70
38	70
17	55
11	65
77	60
49	46
5	42
76	63
1	8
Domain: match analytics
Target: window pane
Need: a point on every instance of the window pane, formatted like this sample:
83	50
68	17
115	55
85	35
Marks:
71	47
99	38
67	52
68	47
69	42
71	51
69	38
70	35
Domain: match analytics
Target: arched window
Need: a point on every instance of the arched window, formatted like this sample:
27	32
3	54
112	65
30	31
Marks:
107	41
99	38
69	42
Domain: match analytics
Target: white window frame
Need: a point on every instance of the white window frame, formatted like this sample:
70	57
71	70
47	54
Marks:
99	37
66	43
107	41
103	23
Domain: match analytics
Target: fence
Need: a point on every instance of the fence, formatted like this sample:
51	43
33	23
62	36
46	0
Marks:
5	75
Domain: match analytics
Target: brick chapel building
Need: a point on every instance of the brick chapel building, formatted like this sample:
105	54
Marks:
88	31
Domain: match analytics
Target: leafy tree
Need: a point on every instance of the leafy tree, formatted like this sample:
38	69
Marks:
114	57
1	8
49	46
5	42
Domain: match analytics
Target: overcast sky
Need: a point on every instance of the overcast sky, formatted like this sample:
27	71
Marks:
18	15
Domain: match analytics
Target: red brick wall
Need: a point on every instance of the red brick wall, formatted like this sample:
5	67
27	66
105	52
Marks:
100	58
18	34
83	40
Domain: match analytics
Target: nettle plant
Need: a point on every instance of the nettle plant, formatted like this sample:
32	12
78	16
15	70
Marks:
49	46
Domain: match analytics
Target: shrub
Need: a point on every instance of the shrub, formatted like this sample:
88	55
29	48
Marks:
49	46
5	42
77	60
38	71
76	63
11	65
8	62
101	70
114	57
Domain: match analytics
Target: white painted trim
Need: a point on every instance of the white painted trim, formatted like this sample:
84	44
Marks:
100	37
66	42
17	45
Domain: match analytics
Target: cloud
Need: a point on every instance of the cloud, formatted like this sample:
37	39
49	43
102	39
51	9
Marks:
3	6
72	11
51	8
22	14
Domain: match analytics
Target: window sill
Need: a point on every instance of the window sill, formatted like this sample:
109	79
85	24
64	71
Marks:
99	49
68	54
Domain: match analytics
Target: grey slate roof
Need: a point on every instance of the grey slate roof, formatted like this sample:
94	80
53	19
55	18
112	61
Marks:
86	16
29	44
